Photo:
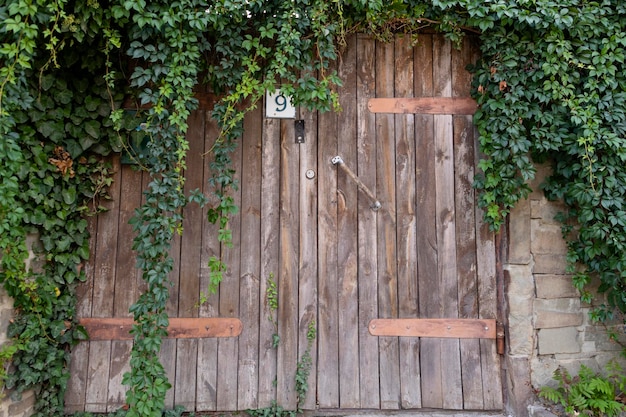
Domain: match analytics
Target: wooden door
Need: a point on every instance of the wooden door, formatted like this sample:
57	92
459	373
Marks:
305	224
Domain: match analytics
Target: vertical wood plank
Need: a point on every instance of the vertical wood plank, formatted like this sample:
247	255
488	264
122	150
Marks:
79	361
471	373
367	258
328	343
270	250
168	352
206	395
308	264
428	284
446	233
102	305
288	269
125	283
410	395
190	258
347	228
250	261
487	289
386	230
228	349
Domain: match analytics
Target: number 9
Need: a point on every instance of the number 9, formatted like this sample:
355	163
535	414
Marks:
281	102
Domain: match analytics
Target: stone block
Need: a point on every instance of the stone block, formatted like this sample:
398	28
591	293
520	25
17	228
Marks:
598	335
520	280
561	340
24	407
542	370
520	335
555	286
549	263
519	233
560	312
547	239
546	210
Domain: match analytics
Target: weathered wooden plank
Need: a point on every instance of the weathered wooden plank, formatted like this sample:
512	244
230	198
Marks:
118	328
228	349
270	202
125	283
424	105
410	395
487	302
428	285
184	386
367	240
471	373
288	272
438	328
102	302
446	233
206	395
79	362
168	352
386	229
487	289
328	338
490	361
347	228
250	262
308	262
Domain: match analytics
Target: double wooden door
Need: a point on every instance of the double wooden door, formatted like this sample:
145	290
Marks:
305	224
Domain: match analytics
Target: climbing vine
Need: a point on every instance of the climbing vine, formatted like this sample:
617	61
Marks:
549	88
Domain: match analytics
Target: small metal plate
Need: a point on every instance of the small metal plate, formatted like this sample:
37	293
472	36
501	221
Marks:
299	131
277	105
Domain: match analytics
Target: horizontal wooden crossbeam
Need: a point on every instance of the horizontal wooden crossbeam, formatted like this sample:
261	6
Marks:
114	328
423	105
449	328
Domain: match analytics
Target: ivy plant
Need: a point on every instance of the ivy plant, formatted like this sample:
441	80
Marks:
548	85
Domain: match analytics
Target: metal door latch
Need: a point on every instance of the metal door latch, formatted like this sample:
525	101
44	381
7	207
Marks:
338	160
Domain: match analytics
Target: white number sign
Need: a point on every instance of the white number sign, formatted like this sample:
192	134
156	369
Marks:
278	105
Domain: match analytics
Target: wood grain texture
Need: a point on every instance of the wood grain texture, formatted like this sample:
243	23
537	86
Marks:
250	270
471	372
308	262
345	199
105	262
118	328
446	233
206	387
125	283
287	358
228	349
429	293
328	337
184	386
423	105
367	225
406	231
437	328
425	256
386	228
270	250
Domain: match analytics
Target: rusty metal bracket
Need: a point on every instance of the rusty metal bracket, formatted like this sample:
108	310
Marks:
500	338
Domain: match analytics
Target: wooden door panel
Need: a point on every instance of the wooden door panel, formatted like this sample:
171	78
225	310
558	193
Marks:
305	224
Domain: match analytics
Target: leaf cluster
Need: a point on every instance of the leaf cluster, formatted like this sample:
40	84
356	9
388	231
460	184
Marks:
588	393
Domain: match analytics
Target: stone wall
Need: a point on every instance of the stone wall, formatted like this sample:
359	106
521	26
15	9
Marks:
548	326
9	406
